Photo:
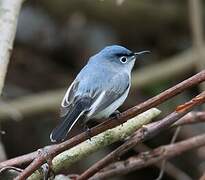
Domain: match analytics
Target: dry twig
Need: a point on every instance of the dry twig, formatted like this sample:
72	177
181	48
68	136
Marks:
110	123
143	134
67	158
191	118
170	168
54	150
148	158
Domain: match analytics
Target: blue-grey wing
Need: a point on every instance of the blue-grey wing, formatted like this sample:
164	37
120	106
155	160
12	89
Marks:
115	88
83	86
102	89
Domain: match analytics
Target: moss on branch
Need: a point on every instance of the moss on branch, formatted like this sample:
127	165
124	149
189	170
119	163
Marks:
84	149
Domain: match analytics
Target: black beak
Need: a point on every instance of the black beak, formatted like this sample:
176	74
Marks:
141	53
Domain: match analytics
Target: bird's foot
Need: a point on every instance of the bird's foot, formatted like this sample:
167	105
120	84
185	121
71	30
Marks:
87	131
116	115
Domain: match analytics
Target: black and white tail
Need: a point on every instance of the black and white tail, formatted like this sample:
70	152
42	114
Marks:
75	112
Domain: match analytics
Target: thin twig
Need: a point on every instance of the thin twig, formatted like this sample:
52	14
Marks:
164	162
9	172
143	134
191	118
65	159
170	168
111	122
148	158
20	160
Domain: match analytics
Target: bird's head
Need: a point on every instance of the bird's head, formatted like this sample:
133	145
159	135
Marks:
119	56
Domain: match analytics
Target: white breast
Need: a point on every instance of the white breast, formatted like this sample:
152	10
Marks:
111	108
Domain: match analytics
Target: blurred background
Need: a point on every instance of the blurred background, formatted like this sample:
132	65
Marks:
53	42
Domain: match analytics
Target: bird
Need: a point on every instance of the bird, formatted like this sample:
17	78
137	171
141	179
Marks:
99	89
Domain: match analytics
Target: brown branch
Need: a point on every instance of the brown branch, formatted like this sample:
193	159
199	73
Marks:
164	161
143	134
148	158
111	122
20	160
170	168
191	118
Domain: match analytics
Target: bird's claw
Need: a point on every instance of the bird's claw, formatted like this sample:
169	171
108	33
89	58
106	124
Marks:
116	115
87	131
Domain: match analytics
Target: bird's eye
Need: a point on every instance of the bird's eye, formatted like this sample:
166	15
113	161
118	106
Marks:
123	59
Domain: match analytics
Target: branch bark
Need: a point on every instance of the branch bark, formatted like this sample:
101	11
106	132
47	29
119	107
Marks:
170	169
144	134
9	12
191	118
84	149
148	158
110	123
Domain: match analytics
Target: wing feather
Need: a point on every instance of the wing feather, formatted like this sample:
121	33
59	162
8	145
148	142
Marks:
114	90
102	92
68	98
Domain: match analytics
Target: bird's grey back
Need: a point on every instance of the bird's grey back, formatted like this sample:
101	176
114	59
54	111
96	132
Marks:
94	79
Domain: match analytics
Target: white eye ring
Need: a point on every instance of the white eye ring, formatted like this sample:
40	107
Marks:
123	59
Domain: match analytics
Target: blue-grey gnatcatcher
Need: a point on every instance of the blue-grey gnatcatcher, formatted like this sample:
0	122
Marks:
98	90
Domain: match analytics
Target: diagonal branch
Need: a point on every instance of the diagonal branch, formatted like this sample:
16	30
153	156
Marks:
150	157
111	122
144	134
190	118
67	158
170	169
